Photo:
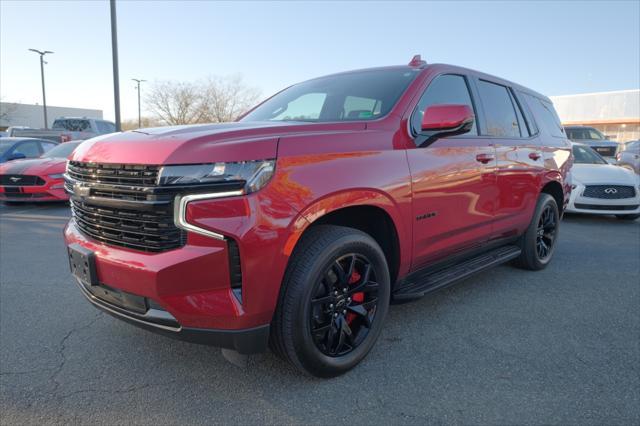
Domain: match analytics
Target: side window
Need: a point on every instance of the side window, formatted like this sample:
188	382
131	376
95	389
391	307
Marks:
594	135
445	89
501	117
30	149
46	146
524	128
546	114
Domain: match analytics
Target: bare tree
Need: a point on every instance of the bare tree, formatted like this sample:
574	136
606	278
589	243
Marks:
176	103
226	98
146	123
215	100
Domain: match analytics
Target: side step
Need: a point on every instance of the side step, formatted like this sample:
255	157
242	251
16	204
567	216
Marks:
419	283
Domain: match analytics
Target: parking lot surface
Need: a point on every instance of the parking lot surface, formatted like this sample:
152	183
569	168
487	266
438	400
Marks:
507	346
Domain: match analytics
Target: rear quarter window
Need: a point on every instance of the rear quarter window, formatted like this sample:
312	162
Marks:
545	114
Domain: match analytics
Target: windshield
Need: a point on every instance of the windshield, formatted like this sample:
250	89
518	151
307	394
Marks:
72	125
586	155
5	146
363	95
63	150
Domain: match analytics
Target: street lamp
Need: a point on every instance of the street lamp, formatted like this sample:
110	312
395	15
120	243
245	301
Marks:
139	117
114	54
44	96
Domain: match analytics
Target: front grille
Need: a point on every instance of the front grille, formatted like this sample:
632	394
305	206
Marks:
117	174
21	180
600	207
151	230
609	192
122	206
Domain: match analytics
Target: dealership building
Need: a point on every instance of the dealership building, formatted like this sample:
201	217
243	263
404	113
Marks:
616	114
15	114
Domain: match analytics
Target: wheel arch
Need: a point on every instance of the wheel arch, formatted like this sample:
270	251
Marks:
368	211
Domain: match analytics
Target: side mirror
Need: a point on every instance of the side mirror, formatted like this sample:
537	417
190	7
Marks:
444	120
16	156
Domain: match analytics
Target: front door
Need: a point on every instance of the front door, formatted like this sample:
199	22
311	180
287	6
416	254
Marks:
454	182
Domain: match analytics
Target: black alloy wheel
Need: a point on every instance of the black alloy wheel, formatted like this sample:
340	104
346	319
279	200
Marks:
344	305
546	233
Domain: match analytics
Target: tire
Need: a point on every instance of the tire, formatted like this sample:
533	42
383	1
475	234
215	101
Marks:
628	216
535	256
318	269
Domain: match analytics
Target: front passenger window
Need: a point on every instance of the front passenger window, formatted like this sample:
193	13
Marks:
445	89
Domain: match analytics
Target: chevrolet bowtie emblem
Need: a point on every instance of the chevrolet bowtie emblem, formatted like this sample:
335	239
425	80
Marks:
81	191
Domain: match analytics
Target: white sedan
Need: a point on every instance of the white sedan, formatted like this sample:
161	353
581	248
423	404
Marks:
602	188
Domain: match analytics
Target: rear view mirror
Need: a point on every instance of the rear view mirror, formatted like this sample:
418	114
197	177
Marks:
446	120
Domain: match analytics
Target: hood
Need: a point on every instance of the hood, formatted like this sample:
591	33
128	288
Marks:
199	143
34	166
594	174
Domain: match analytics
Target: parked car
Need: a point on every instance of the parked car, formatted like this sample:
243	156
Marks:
628	155
14	148
65	129
594	138
37	179
12	129
602	188
297	225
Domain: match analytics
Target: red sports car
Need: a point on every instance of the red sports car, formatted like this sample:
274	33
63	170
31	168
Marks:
36	179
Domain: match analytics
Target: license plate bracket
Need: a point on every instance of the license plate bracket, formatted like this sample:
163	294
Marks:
82	263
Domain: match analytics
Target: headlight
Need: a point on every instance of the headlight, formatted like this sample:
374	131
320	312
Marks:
57	176
253	174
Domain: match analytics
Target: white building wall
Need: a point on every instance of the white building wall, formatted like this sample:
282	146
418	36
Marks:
14	114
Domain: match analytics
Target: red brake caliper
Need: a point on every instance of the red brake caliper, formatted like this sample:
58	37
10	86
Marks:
356	297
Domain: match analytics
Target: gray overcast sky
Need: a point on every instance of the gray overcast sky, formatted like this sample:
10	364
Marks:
553	47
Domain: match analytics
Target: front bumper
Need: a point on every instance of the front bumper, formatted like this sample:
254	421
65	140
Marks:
52	190
246	341
580	204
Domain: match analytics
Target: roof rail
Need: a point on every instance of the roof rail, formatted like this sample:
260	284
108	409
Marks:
417	62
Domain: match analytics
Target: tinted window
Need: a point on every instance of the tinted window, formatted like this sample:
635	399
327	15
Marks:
445	89
63	150
586	155
5	145
324	99
594	134
546	114
72	125
46	146
30	149
500	114
524	129
105	127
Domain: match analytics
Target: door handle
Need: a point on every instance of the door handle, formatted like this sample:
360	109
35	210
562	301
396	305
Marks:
534	156
484	158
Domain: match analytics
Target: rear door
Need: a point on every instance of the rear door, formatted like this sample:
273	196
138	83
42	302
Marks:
453	180
520	161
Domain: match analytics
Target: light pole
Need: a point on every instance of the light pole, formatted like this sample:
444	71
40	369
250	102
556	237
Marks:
114	53
139	117
44	96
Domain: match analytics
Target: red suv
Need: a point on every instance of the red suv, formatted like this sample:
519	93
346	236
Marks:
297	225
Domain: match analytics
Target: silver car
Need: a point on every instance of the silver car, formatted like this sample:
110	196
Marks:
629	156
593	138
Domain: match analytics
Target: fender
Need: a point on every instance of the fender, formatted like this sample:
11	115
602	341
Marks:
353	198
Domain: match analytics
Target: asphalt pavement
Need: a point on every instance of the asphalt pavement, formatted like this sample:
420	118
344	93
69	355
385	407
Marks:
559	346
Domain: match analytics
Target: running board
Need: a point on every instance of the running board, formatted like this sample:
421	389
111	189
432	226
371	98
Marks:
419	283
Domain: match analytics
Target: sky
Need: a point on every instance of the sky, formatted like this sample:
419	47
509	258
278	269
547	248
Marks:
553	47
